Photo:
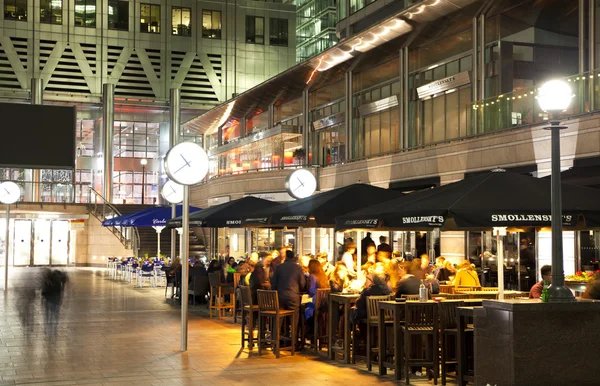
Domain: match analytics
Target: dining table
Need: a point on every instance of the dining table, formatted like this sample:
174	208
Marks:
335	301
490	294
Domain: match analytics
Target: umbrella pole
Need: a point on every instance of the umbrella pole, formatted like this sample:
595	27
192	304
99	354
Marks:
500	246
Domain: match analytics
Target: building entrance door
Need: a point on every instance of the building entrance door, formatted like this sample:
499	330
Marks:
41	243
22	243
60	243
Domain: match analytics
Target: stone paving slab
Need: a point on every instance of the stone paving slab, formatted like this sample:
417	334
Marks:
110	333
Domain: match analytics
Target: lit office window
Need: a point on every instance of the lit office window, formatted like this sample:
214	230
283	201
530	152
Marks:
181	21
211	24
51	11
85	13
15	10
150	18
118	15
255	30
278	32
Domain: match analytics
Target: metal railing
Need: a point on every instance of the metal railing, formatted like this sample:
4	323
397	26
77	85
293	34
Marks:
100	208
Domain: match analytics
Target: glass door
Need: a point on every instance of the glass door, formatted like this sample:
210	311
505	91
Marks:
41	242
22	243
60	242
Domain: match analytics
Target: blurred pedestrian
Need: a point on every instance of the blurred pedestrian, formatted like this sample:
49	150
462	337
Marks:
53	287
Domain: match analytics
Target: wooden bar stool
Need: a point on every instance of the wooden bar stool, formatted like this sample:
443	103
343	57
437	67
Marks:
422	321
448	335
373	325
268	309
249	311
320	318
218	291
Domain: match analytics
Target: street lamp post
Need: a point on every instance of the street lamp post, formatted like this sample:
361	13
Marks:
144	162
554	97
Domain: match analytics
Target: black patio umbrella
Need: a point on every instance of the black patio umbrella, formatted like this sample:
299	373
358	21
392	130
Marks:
321	209
495	199
227	215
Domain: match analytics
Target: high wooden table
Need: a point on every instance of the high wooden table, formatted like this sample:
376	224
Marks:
346	301
489	294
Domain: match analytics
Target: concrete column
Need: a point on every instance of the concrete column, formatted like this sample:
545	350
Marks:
108	128
581	47
37	98
405	97
175	116
348	114
306	126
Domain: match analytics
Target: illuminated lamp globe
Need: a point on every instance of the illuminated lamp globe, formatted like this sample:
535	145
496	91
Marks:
555	96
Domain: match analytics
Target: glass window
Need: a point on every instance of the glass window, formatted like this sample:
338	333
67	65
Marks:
150	18
51	11
255	29
181	18
85	13
15	10
278	32
118	15
211	24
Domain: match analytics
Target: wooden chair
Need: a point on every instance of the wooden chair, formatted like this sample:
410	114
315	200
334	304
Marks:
461	288
320	318
218	291
421	319
515	296
446	289
448	330
411	297
199	287
249	311
268	308
373	325
237	305
488	289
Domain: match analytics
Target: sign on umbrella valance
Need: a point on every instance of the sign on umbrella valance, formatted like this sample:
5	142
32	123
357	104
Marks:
154	218
495	199
227	215
321	209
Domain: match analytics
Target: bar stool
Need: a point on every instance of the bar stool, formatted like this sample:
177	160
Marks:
373	325
421	319
448	330
217	292
249	311
320	317
268	308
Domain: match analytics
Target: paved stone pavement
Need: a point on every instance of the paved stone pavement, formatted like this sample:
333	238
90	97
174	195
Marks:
111	333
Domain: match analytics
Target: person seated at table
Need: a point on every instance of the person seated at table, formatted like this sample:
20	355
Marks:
348	259
376	270
371	260
383	257
247	268
325	264
316	280
536	291
409	284
214	266
231	262
445	272
426	266
592	290
466	275
304	261
392	271
339	279
358	313
266	259
371	255
277	259
258	279
289	282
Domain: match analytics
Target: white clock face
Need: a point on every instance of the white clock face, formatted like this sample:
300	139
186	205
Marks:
301	183
172	192
186	163
9	192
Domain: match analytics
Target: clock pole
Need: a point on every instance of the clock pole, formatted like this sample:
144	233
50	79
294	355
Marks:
185	243
6	248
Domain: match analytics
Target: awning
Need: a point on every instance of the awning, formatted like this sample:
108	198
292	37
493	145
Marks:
321	209
227	215
153	218
496	199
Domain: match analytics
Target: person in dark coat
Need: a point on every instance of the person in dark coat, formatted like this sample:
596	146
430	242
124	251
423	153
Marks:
258	280
289	281
383	245
364	244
